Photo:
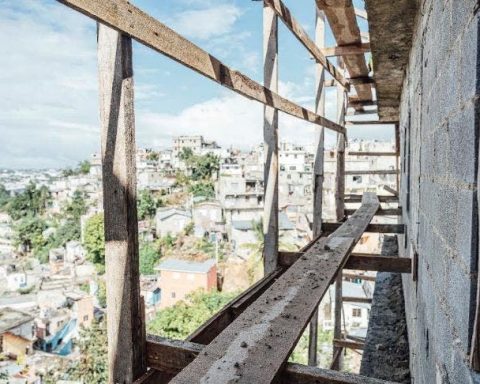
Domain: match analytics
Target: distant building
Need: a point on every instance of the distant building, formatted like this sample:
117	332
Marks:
196	143
150	291
55	331
178	278
17	332
171	220
81	305
56	259
208	218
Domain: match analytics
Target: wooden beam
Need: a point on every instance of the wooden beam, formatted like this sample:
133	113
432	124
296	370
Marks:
286	16
372	172
173	356
125	322
217	323
349	275
374	228
381	212
370	122
352	198
353	102
348	344
391	190
270	142
345	29
363	112
340	152
318	172
243	351
350	49
130	20
379	263
353	153
360	262
352	299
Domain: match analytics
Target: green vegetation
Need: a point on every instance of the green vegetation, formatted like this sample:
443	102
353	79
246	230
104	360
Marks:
31	202
153	156
83	168
184	317
202	188
147	204
149	257
300	353
95	240
4	197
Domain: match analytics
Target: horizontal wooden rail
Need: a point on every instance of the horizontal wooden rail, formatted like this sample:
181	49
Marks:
359	262
372	111
351	198
370	122
360	153
374	228
381	212
348	344
249	350
356	103
353	299
349	275
172	356
343	50
294	26
130	20
372	172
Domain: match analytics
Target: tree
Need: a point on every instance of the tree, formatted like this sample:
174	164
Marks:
4	196
95	239
205	189
184	317
84	167
91	367
149	257
31	202
147	204
29	232
153	156
77	206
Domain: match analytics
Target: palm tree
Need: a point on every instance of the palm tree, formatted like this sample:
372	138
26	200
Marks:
255	259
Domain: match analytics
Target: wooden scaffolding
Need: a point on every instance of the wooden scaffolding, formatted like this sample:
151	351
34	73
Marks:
251	339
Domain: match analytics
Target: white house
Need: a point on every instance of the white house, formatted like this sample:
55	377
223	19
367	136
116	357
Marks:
207	217
171	220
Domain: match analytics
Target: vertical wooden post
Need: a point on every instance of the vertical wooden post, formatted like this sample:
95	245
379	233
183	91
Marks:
318	171
397	157
270	142
340	215
125	326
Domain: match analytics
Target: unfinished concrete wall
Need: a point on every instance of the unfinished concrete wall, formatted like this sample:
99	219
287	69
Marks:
439	129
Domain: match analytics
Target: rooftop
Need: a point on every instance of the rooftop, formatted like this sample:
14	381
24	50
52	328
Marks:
11	318
186	266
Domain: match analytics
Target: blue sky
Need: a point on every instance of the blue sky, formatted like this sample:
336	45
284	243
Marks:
49	114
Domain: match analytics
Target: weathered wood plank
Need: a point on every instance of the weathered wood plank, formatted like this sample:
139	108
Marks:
349	275
217	323
381	212
354	153
356	103
270	142
256	345
380	264
351	198
349	49
294	26
172	356
340	152
348	344
359	262
372	172
370	122
374	228
130	20
352	299
318	170
125	326
391	190
344	25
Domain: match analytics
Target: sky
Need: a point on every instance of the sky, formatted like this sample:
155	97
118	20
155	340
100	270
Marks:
49	84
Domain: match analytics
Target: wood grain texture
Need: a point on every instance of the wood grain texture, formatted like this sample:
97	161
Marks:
125	325
294	26
270	142
172	356
254	348
130	20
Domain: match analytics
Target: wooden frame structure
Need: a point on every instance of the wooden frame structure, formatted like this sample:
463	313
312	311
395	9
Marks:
251	339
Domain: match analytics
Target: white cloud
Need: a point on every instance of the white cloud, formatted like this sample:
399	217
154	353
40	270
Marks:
49	114
206	23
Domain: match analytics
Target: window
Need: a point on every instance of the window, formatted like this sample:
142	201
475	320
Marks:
85	318
356	312
173	295
293	167
357	179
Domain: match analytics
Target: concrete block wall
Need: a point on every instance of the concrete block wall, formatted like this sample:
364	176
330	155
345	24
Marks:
439	136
